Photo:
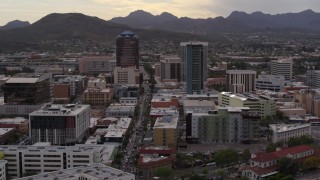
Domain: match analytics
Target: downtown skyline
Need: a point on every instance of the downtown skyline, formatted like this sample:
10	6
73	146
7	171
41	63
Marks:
33	10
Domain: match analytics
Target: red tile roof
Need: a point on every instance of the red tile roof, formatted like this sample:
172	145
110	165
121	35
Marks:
261	171
282	153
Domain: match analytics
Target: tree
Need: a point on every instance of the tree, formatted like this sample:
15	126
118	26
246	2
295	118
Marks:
271	148
287	166
311	163
164	172
296	141
226	157
246	155
205	171
221	173
244	178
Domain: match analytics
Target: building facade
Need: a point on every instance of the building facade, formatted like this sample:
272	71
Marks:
240	81
127	47
98	97
59	124
283	132
97	64
170	68
261	105
194	57
282	67
45	158
27	89
128	75
165	131
224	125
273	83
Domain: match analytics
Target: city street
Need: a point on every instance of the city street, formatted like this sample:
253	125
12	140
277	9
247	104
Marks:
138	134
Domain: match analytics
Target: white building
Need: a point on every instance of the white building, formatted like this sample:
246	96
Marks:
273	83
42	158
240	81
86	172
120	110
128	75
282	67
59	124
3	175
283	132
97	64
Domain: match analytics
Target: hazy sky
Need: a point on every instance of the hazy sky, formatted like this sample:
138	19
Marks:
33	10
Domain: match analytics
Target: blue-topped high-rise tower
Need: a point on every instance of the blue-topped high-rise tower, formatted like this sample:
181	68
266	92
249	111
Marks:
194	65
127	47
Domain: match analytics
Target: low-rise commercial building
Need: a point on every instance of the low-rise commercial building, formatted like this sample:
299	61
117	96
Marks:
97	64
283	132
264	165
273	83
128	75
120	110
152	158
19	124
5	134
97	96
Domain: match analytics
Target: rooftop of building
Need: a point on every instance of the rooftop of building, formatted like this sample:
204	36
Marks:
287	127
60	110
194	43
28	78
265	157
4	131
283	60
163	111
16	120
92	171
115	132
97	90
198	103
120	108
166	122
237	71
46	147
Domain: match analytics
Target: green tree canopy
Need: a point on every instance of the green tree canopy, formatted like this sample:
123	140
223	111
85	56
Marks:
287	166
246	155
296	141
164	172
271	148
311	163
226	157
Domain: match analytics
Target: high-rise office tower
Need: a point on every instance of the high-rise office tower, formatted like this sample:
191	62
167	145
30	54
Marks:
282	67
194	65
127	50
240	81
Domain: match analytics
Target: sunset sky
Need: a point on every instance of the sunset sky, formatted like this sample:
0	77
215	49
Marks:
33	10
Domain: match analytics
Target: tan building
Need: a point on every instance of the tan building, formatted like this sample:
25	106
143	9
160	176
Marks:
165	131
129	75
97	64
61	92
98	97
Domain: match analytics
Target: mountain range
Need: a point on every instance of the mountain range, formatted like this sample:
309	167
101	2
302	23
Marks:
21	35
236	22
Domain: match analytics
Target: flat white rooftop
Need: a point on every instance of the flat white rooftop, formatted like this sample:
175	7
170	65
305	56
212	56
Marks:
92	171
288	127
166	122
60	110
3	131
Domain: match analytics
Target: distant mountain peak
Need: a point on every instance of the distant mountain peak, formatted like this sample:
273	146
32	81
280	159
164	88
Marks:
15	24
308	11
139	14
